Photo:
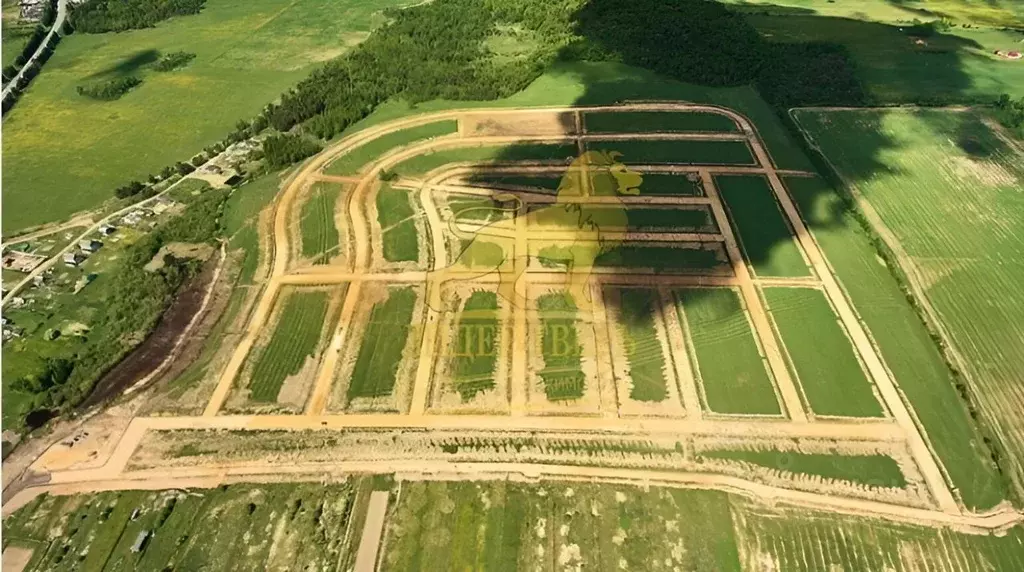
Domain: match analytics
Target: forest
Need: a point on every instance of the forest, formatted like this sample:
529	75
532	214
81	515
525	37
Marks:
437	50
99	16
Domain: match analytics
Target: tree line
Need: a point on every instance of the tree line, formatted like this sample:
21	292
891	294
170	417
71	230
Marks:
109	90
99	16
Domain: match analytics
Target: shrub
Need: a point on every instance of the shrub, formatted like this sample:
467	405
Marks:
283	150
109	90
173	61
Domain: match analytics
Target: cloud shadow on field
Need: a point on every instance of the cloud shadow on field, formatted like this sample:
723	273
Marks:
129	65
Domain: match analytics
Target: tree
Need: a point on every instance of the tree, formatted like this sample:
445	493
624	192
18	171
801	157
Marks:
183	168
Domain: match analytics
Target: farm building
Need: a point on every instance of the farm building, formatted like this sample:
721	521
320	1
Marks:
140	541
73	259
90	245
107	230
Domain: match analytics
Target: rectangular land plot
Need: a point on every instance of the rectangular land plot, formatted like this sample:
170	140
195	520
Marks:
764	235
282	365
320	241
471	370
641	362
678	151
656	121
397	218
706	258
352	162
562	350
547	152
638	218
874	470
732	372
903	340
380	350
672	185
833	380
473	208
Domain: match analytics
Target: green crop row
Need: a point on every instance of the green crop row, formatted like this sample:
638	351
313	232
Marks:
643	350
381	345
873	470
350	163
397	221
656	121
319	234
477	337
562	376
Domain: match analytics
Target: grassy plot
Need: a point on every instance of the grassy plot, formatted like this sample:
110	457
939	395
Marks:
397	222
764	234
352	162
654	184
295	339
643	349
812	542
247	53
319	233
873	470
679	152
511	526
948	190
670	185
562	376
732	372
660	258
541	183
684	218
822	355
476	345
217	529
381	345
421	164
904	342
476	209
656	121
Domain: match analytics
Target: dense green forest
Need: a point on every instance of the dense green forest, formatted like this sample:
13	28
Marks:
137	299
98	16
438	50
283	150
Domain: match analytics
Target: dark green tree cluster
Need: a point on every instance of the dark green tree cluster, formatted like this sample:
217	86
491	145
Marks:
109	90
283	150
703	42
173	61
137	299
130	190
1010	113
434	50
98	16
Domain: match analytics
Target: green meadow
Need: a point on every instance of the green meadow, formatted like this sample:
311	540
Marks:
70	152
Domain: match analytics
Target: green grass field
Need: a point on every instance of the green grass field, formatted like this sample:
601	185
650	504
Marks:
296	338
954	66
396	216
352	162
821	354
319	233
218	529
660	258
643	350
656	121
904	342
508	526
872	470
949	191
984	12
562	376
540	183
764	234
381	345
75	150
422	164
718	327
684	218
682	152
477	337
654	184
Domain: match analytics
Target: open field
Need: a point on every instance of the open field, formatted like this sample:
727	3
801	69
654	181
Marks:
477	337
993	13
655	122
551	152
562	377
78	150
396	216
320	240
217	529
643	349
685	152
874	470
281	369
351	163
829	372
944	192
381	345
717	325
903	340
766	239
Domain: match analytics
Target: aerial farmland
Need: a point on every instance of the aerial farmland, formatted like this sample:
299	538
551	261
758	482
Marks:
581	316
